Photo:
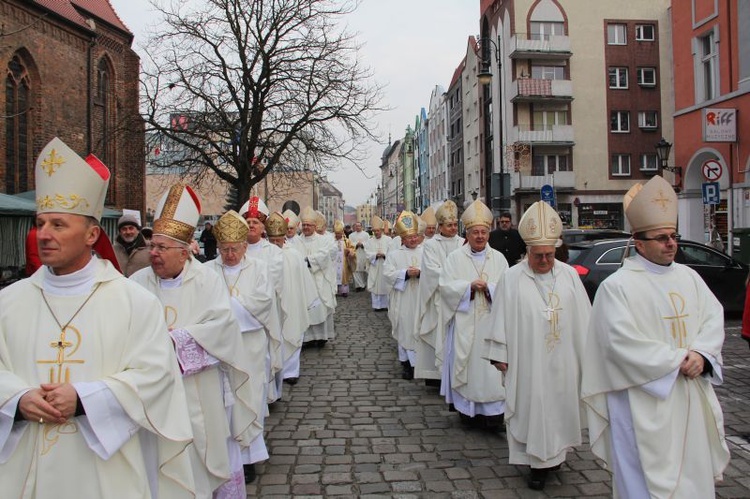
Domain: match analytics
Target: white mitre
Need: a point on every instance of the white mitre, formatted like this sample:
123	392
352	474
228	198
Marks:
650	206
476	214
540	225
177	213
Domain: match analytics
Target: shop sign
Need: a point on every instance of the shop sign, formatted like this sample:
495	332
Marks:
719	125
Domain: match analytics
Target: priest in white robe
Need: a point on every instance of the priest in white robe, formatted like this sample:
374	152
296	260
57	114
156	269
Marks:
293	239
358	238
253	303
255	212
299	296
207	343
91	400
401	273
537	338
467	288
430	325
319	253
652	360
346	259
376	251
430	219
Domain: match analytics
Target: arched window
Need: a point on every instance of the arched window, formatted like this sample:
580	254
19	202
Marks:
17	130
104	136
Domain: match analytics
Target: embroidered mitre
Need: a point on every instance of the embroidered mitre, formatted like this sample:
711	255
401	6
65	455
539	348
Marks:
231	228
406	224
177	213
276	225
540	225
447	212
476	214
650	206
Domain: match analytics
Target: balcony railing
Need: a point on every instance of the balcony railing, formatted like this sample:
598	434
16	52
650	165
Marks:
532	89
526	46
559	180
540	135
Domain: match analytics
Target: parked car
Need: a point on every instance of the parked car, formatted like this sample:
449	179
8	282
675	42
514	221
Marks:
725	276
570	236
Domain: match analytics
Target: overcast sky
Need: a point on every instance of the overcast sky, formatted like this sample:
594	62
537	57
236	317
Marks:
411	45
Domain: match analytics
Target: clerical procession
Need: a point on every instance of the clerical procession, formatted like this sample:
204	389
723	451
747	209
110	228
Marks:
160	384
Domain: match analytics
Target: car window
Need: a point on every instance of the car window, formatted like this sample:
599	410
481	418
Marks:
613	255
695	255
574	254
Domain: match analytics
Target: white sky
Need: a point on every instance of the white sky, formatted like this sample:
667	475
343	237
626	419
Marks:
411	45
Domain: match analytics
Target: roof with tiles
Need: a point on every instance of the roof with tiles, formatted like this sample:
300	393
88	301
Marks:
77	11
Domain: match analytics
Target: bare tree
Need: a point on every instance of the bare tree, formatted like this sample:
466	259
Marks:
243	86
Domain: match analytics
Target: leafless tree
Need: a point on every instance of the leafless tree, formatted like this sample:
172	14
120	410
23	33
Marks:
239	87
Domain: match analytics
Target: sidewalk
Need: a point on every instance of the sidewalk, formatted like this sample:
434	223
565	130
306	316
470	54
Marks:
352	427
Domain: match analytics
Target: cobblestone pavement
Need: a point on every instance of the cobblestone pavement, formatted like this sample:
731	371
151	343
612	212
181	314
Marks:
352	427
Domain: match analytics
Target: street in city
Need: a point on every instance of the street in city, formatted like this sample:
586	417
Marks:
352	427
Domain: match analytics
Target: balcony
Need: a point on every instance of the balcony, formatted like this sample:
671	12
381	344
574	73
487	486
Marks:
535	90
559	180
554	135
546	47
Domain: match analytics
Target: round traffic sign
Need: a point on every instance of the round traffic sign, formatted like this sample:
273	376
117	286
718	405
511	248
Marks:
712	170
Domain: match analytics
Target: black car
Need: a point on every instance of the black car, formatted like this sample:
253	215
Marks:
570	236
725	276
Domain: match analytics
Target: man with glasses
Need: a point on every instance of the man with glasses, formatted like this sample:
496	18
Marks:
652	358
207	344
537	337
507	240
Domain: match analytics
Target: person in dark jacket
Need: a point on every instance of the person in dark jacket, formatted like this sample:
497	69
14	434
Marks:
209	241
507	240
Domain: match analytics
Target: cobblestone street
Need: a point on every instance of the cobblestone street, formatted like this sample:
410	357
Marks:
352	427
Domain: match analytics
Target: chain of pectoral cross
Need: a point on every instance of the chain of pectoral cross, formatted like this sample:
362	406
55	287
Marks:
61	344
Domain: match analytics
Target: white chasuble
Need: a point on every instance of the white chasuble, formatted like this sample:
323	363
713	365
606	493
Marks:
299	297
319	251
402	299
115	344
430	326
539	327
468	317
375	282
644	321
199	305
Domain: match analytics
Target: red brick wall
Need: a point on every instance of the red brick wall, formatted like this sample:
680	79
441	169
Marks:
57	54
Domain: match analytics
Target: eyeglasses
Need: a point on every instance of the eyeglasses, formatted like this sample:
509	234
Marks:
662	238
160	248
230	251
542	256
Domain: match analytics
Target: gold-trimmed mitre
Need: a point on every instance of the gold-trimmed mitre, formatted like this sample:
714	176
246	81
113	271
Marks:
177	213
650	206
447	212
291	218
428	216
376	223
308	215
320	221
421	226
65	183
540	225
338	226
476	214
276	225
406	224
231	228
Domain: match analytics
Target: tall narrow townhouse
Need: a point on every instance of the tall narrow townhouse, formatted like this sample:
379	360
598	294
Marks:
711	141
473	172
455	136
422	155
580	94
438	145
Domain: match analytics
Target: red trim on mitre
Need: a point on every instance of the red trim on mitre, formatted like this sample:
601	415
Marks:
252	209
99	167
193	195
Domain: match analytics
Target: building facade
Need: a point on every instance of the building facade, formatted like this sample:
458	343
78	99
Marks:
437	143
71	72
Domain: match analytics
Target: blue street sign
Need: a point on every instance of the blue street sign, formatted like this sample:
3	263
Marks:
711	192
547	194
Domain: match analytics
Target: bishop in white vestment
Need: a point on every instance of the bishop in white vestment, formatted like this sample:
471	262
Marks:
537	338
358	238
467	288
376	250
652	359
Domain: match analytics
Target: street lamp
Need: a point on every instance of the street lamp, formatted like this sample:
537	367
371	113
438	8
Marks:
662	152
380	201
391	175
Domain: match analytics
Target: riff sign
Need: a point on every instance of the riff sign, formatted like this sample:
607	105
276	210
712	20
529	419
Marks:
719	125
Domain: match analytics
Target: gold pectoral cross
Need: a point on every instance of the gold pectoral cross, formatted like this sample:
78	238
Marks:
677	324
553	317
62	344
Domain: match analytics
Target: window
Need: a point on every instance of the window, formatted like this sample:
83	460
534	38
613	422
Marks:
649	162
618	78
619	122
17	129
612	256
545	119
543	30
645	32
647	119
548	72
543	164
617	34
620	165
708	65
646	77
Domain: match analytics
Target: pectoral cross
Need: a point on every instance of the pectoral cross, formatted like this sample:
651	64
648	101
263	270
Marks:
61	344
553	317
677	325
